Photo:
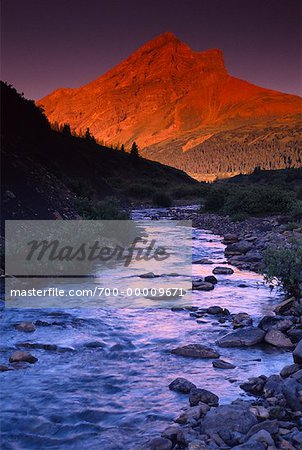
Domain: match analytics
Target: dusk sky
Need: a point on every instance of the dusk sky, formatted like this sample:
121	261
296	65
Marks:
68	43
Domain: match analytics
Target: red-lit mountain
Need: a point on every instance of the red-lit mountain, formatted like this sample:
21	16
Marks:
184	109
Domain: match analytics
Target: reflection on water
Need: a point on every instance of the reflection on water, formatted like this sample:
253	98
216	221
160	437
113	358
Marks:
110	378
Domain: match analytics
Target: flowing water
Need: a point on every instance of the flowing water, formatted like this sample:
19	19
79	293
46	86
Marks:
115	396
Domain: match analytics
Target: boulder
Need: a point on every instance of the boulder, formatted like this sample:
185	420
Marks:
203	261
230	239
220	364
38	345
192	413
254	385
147	275
259	441
211	279
278	339
241	320
202	395
27	327
239	248
223	271
284	306
5	368
19	356
268	323
202	286
181	385
289	370
158	443
215	310
175	434
195	351
233	418
243	337
297	353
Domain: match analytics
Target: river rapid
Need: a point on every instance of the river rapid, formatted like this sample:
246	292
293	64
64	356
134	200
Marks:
115	395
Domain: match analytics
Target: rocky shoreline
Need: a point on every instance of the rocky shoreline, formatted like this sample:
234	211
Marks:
273	418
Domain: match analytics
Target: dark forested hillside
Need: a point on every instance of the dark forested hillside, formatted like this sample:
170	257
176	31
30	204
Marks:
45	173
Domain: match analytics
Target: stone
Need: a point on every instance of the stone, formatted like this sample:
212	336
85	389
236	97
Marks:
202	395
223	271
243	337
260	411
19	356
175	434
273	386
202	286
289	370
241	320
268	323
181	385
95	344
148	275
297	353
192	413
259	441
290	389
220	364
271	426
230	239
215	310
27	327
254	385
284	306
211	279
159	443
278	339
203	261
236	418
239	248
195	351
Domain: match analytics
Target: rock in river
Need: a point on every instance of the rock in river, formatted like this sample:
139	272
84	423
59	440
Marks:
297	353
195	351
243	337
19	356
223	271
204	396
278	339
220	364
181	385
202	286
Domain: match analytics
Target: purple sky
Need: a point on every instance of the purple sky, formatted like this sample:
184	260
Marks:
67	43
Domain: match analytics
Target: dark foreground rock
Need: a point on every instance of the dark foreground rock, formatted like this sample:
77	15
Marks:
243	337
19	356
181	385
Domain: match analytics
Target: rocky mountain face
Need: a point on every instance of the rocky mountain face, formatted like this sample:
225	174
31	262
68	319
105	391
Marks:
172	100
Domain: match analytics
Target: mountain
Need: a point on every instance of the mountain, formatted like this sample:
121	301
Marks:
182	107
48	174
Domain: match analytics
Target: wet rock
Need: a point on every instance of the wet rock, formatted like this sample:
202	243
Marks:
271	426
268	323
278	339
148	275
243	337
230	239
195	351
260	411
181	385
211	279
192	413
295	334
202	395
215	310
42	323
220	364
289	370
175	434
273	386
223	271
27	327
254	385
19	356
158	443
290	389
238	248
202	286
297	353
284	306
228	418
259	441
241	320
